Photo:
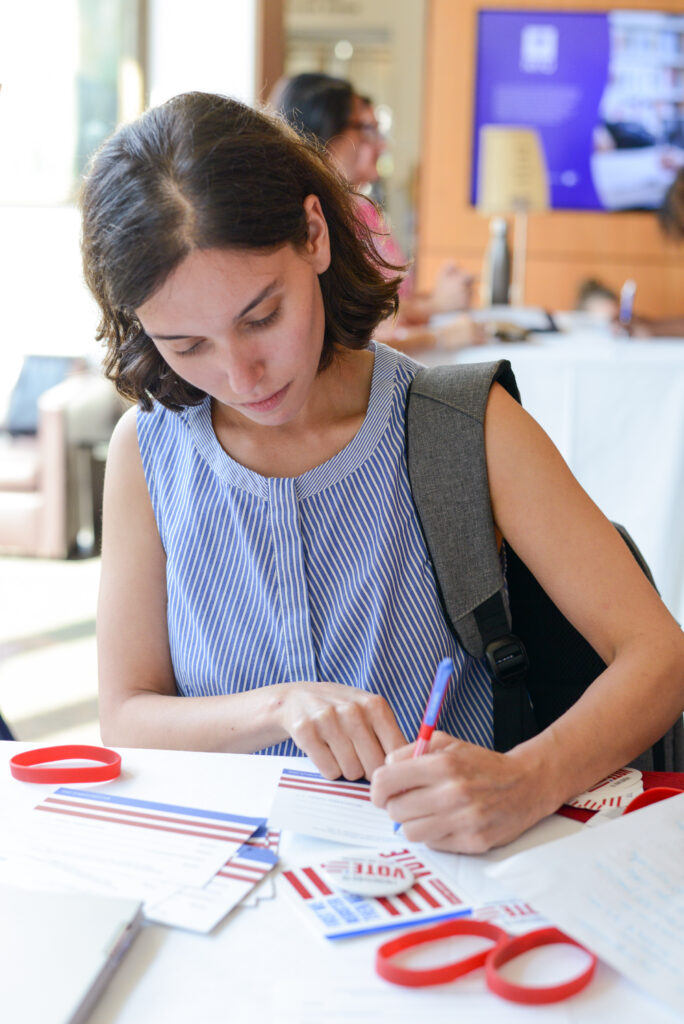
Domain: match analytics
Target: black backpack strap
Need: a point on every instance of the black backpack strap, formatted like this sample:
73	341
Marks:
448	474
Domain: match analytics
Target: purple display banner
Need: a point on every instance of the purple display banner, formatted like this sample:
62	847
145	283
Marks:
548	72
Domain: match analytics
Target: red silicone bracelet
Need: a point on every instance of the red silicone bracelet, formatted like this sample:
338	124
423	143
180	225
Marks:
418	978
37	765
651	796
534	995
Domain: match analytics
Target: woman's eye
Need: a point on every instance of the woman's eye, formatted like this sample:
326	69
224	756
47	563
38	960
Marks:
265	321
193	348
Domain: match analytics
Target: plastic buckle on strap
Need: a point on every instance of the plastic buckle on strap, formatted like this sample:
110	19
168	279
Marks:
507	659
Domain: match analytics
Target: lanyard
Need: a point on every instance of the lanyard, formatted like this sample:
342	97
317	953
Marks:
36	765
505	948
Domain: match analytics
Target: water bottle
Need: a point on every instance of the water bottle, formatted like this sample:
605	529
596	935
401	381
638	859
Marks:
497	269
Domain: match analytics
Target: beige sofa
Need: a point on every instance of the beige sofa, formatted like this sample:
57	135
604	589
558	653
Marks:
48	487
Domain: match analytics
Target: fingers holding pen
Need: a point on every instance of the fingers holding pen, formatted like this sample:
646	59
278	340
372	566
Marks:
457	797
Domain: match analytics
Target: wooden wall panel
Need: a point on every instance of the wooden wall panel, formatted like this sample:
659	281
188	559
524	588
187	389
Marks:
563	246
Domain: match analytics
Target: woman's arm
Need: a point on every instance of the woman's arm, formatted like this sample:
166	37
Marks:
344	730
464	798
459	332
452	292
644	327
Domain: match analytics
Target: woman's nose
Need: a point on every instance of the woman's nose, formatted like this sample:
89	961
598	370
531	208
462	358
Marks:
244	371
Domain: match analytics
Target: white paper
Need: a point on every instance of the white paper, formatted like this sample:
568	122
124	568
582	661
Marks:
619	890
340	811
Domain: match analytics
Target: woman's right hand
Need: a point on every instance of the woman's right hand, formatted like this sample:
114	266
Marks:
345	731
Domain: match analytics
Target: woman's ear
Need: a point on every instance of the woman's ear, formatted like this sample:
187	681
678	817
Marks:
317	245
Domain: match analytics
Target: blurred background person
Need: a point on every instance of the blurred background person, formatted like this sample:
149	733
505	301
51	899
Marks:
671	219
598	299
329	110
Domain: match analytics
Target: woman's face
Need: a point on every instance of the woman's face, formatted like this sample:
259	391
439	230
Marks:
358	147
246	327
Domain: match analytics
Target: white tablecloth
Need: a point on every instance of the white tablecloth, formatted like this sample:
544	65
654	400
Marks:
615	410
266	964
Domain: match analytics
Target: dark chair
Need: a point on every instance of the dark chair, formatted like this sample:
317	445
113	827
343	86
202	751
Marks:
5	731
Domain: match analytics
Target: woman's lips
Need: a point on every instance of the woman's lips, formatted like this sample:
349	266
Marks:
266	404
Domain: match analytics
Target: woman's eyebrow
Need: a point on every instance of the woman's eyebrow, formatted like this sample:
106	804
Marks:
263	294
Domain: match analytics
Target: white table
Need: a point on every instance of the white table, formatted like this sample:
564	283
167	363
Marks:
615	410
266	964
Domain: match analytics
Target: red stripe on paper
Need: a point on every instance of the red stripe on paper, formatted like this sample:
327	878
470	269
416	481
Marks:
444	891
408	902
389	907
318	882
239	878
424	894
322	789
114	810
296	884
241	866
140	824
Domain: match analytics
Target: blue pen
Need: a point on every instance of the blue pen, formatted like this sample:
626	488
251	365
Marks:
626	303
434	706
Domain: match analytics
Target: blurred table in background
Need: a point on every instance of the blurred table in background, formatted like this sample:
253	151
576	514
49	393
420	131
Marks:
615	410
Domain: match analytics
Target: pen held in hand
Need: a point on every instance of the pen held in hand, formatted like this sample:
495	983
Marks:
434	706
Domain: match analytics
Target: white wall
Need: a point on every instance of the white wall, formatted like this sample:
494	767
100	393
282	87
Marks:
208	45
44	304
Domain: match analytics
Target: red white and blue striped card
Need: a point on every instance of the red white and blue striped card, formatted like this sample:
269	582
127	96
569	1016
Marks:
201	909
514	916
336	914
130	843
616	790
340	811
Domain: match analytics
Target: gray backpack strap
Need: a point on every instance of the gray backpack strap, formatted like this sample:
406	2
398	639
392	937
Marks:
448	475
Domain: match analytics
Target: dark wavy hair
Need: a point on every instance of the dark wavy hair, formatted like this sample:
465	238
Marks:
203	171
317	104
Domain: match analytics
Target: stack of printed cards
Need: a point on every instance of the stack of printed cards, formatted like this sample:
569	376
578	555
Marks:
266	839
200	909
189	866
338	914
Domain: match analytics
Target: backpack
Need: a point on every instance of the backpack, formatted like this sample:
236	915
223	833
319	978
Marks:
539	663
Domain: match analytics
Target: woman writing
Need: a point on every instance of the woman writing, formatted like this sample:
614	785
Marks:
261	553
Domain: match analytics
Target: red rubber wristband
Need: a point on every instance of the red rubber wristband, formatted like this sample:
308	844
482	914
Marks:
651	796
534	995
418	978
37	765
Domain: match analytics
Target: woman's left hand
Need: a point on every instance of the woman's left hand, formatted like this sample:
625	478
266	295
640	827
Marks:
459	797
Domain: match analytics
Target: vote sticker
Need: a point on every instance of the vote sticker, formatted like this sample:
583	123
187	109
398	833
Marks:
368	876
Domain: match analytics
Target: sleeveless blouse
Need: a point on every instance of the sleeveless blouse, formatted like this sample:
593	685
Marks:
323	576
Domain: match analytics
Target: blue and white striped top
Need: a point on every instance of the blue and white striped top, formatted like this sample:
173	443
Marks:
321	576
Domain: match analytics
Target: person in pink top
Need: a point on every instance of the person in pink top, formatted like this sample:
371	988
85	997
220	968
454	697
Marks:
329	110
